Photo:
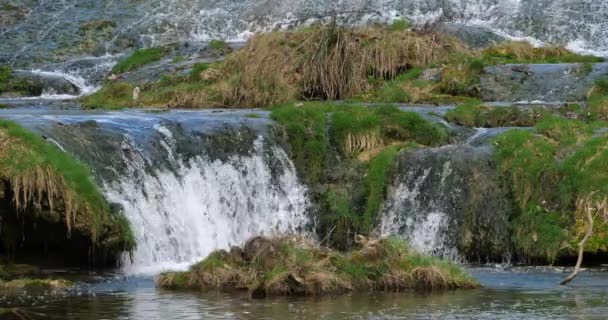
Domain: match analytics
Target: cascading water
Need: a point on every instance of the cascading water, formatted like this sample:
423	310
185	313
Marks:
189	182
448	202
41	30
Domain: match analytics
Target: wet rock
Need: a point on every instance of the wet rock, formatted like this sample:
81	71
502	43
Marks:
474	36
49	83
540	82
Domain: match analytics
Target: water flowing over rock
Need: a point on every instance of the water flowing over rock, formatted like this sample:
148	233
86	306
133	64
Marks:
189	182
56	30
449	202
540	82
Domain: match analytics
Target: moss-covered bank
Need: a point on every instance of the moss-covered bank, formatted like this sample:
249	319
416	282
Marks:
556	174
47	197
346	154
294	266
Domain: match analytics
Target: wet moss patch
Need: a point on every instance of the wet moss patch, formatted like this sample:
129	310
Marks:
556	176
139	58
294	266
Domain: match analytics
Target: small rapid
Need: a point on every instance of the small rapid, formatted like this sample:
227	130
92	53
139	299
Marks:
448	201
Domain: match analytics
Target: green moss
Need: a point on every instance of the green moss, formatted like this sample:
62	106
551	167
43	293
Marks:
113	95
217	44
29	156
34	285
551	172
379	172
139	58
475	114
400	25
10	83
197	69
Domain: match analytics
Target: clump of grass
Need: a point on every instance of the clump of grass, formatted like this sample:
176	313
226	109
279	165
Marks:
295	266
49	182
461	79
524	52
474	114
400	25
330	62
217	45
139	58
597	99
113	95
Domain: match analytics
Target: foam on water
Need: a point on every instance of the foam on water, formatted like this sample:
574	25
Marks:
181	215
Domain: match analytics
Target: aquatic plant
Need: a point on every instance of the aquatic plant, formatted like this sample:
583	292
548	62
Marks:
296	266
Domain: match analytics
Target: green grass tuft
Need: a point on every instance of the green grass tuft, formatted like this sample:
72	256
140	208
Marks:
139	58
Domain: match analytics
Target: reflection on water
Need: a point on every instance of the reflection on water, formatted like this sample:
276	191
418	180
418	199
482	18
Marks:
507	295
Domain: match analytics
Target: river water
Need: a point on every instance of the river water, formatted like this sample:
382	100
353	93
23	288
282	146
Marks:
520	293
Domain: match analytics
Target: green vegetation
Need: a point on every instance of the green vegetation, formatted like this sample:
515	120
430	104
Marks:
400	25
11	84
139	58
556	175
293	266
51	184
345	153
217	45
33	285
597	100
475	114
524	52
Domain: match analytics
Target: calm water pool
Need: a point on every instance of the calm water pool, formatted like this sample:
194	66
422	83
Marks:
508	294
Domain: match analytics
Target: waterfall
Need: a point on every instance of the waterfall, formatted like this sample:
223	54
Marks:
188	182
448	202
181	216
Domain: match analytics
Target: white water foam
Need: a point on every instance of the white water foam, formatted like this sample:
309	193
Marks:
182	215
425	231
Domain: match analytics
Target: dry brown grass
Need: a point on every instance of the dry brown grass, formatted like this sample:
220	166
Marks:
297	266
524	51
329	63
